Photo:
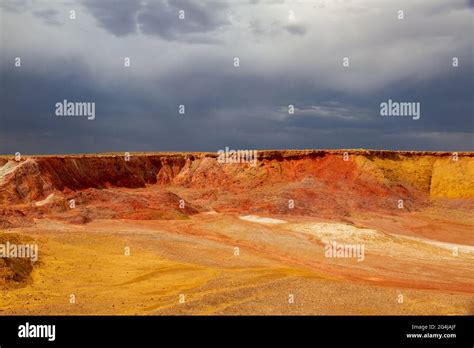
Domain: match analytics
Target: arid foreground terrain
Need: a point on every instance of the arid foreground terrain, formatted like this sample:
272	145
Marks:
302	232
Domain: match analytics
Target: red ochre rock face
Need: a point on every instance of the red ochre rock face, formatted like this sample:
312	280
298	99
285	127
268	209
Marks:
324	183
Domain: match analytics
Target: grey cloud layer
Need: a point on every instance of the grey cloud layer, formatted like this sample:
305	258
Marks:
190	62
158	17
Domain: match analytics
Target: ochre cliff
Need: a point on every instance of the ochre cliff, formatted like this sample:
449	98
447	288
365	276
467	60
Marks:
321	181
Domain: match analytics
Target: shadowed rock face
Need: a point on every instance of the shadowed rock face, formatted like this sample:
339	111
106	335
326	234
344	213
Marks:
320	183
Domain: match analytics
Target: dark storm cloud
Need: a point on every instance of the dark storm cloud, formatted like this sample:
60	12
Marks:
296	29
200	17
447	6
15	6
276	28
159	17
246	107
119	18
250	112
49	16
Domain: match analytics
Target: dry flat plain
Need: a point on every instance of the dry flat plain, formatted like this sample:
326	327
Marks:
181	233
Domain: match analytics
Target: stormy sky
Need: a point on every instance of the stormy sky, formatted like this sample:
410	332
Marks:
290	53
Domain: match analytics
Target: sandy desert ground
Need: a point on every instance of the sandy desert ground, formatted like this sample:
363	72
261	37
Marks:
180	234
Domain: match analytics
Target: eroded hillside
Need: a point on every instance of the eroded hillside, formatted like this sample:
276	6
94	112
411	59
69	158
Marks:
320	183
138	234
